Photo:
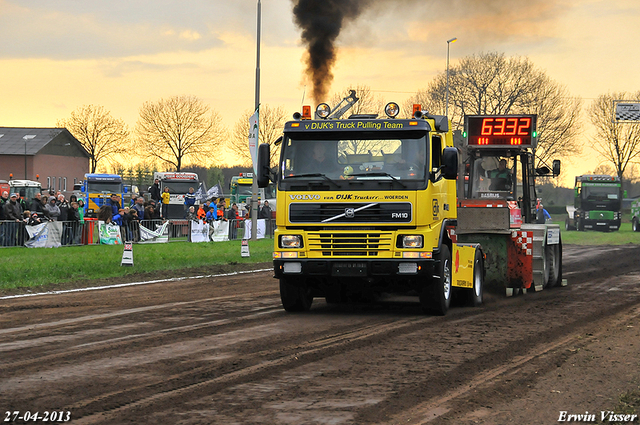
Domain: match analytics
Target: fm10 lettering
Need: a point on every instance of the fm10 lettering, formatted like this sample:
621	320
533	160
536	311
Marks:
506	126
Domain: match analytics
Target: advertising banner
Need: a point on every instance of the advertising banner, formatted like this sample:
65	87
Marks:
262	226
160	235
109	234
199	231
45	235
254	125
220	231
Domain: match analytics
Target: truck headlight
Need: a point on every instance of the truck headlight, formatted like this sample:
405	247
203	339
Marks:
290	241
412	241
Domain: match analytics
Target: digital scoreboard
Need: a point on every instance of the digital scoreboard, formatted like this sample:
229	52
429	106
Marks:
501	130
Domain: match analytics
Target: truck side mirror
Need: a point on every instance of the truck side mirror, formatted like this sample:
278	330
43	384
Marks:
450	163
556	167
264	155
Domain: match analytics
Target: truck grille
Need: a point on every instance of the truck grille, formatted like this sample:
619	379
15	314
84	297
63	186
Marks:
349	244
374	212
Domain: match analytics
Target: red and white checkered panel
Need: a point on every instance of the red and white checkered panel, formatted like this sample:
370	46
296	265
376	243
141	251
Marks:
524	240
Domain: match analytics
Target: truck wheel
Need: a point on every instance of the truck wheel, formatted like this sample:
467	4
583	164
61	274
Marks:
435	296
476	293
552	258
295	297
635	225
567	224
580	226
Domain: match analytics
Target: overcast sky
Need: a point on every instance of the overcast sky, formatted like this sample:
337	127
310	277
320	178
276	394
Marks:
58	55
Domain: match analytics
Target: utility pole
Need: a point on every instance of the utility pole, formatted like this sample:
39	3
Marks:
453	40
254	186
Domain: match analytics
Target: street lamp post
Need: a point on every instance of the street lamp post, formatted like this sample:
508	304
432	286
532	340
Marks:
25	138
254	186
453	40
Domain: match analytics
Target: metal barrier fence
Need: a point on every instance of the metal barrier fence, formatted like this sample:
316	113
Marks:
14	233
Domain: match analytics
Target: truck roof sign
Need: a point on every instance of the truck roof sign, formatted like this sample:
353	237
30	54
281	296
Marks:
177	176
357	125
103	177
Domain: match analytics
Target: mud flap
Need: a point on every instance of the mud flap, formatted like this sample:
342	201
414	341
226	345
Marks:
462	260
520	259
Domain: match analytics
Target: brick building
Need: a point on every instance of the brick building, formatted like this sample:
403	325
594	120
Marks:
49	155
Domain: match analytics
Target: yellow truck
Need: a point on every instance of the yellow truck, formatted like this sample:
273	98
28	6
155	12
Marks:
368	205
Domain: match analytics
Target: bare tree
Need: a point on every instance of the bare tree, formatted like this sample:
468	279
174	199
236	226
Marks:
179	128
559	128
271	123
492	84
98	132
605	169
618	143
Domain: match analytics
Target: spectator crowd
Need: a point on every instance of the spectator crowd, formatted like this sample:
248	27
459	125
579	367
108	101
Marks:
16	212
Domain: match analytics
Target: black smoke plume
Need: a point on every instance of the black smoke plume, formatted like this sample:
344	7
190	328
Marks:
321	22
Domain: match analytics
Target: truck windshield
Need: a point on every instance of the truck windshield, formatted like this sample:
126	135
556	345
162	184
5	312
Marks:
492	177
179	187
600	192
104	187
243	190
356	162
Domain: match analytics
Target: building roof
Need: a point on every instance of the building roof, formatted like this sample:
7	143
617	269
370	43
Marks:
12	139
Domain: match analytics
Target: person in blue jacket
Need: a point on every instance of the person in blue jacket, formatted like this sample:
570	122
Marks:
114	203
189	200
542	215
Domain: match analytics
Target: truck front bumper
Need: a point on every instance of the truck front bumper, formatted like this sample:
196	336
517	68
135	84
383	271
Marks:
355	268
602	225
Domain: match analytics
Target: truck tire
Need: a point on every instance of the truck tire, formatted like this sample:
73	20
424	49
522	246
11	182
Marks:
567	224
635	225
476	293
295	296
552	259
435	296
579	225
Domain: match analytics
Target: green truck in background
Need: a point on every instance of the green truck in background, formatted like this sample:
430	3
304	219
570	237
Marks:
597	203
635	215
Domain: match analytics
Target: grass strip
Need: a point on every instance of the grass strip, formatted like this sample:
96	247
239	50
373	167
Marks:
23	267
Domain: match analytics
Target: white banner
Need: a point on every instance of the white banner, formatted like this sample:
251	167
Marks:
254	126
199	231
220	231
160	235
45	235
262	227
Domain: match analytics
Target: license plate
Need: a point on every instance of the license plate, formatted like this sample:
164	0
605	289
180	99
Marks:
349	269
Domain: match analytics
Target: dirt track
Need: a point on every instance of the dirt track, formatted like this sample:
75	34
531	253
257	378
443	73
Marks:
222	351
